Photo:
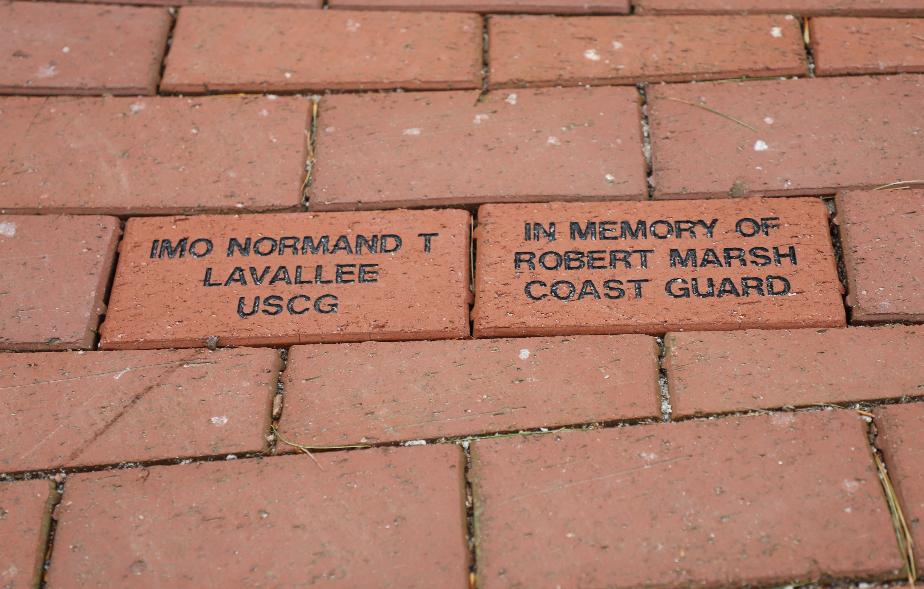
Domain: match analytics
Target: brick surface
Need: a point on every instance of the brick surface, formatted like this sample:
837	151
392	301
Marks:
375	518
391	150
883	242
492	6
386	392
901	439
551	50
623	267
25	514
245	3
257	50
741	501
84	409
152	155
50	48
290	278
812	136
718	372
802	7
55	270
867	45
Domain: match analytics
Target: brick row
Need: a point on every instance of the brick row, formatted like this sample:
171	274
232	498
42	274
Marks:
800	7
25	517
867	45
491	6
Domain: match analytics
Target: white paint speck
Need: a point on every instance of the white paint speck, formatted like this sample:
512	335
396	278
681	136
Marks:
609	178
776	32
851	486
480	118
761	145
413	131
648	456
789	17
136	107
121	373
553	140
416	443
617	45
511	98
7	229
592	55
65	50
352	26
287	75
768	120
330	129
264	113
524	354
47	71
219	420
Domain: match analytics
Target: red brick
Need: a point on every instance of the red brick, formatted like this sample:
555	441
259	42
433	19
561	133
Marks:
901	437
256	50
512	302
493	6
55	271
867	45
803	7
25	515
741	501
374	518
883	243
152	155
718	372
813	136
85	409
387	392
553	50
391	150
406	293
261	3
52	48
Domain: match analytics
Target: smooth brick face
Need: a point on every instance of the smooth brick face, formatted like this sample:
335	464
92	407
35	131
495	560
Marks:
717	372
55	270
493	6
812	136
803	7
84	409
901	438
750	500
386	392
51	48
590	291
26	513
382	518
258	295
867	45
256	50
391	150
551	50
883	242
152	155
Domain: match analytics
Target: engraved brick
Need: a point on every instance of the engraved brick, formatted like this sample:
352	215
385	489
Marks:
652	267
55	270
152	155
867	45
253	49
85	409
25	516
549	50
717	372
375	518
883	244
391	150
290	278
801	7
901	437
53	48
387	392
758	500
492	6
785	137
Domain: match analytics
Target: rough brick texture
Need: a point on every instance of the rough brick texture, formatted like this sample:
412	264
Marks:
261	3
883	241
84	409
740	501
152	155
25	515
391	150
867	45
55	270
258	50
812	136
801	7
376	518
492	6
718	372
548	50
52	48
386	392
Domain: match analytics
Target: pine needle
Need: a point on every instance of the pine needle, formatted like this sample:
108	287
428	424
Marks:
713	111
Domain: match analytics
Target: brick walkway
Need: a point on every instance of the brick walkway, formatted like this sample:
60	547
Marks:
473	294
